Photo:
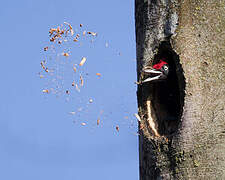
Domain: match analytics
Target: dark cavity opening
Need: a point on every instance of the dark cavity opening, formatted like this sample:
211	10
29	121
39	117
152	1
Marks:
168	95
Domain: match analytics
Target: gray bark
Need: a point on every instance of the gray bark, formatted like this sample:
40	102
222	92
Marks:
182	128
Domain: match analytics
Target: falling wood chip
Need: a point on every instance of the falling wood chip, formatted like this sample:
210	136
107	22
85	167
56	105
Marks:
81	81
84	32
77	88
45	91
98	121
92	33
82	61
74	68
66	54
71	28
81	25
98	74
41	76
43	66
138	117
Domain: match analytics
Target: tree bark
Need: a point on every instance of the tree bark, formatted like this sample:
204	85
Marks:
182	127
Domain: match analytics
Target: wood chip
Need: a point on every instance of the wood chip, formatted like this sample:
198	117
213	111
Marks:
71	28
138	117
92	33
81	81
82	61
74	68
43	66
84	32
45	91
98	74
98	122
77	88
81	25
66	54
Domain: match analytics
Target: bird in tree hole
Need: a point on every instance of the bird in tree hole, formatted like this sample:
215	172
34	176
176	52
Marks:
160	71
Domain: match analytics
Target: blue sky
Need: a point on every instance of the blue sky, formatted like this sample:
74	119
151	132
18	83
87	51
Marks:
39	138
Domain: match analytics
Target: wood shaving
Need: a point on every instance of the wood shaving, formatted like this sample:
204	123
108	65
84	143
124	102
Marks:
43	66
45	91
138	117
66	54
81	81
77	88
41	76
74	68
55	33
92	33
82	61
71	28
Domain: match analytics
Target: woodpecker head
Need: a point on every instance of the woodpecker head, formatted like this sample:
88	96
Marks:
160	71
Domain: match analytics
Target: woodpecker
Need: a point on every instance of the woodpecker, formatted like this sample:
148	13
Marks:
159	72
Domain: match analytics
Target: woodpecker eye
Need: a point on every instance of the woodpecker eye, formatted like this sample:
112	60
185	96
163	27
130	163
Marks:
166	68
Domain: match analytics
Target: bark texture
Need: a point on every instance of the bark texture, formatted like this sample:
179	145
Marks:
182	128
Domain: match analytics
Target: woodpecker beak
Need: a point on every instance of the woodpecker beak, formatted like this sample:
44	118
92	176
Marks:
152	71
155	75
152	79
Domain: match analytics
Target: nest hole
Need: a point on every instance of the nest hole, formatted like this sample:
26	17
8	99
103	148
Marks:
168	95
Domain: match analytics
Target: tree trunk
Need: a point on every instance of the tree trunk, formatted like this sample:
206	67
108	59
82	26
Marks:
182	127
